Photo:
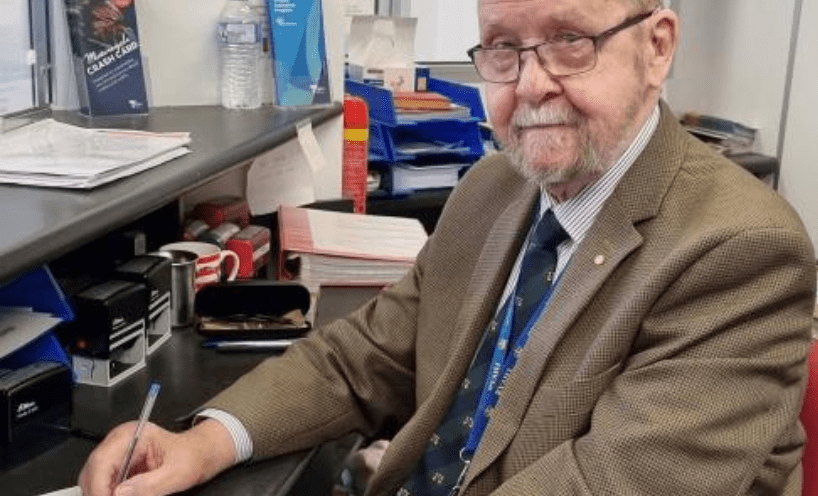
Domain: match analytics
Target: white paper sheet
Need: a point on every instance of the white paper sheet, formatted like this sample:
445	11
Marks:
376	235
352	8
18	328
377	42
51	153
280	176
310	147
69	491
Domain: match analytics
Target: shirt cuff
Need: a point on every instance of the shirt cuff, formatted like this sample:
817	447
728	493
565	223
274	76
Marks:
241	438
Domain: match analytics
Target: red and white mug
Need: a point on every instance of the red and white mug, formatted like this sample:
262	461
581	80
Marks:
210	261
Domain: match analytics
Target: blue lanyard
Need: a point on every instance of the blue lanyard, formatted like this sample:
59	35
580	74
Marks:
503	360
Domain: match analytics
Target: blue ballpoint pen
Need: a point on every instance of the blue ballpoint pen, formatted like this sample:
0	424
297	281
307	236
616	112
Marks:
153	392
249	345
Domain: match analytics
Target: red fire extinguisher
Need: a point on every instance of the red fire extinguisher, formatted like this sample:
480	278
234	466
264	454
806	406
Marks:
356	150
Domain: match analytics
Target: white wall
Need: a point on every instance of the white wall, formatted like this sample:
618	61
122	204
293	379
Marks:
179	44
799	181
446	29
732	62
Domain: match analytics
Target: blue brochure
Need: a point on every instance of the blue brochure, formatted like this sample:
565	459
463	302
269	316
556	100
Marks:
299	52
107	61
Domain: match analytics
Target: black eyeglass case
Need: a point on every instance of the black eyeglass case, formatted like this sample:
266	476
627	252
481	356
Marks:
253	309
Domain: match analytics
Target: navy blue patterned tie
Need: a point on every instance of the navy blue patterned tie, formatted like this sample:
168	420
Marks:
538	268
440	468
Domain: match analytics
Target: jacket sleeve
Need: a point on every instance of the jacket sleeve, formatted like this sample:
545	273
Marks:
708	400
317	391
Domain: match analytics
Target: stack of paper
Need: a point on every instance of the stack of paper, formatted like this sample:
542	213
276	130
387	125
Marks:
323	248
418	106
724	135
406	178
420	100
50	153
21	326
421	115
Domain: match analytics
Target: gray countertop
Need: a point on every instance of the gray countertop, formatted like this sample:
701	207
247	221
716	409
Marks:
41	224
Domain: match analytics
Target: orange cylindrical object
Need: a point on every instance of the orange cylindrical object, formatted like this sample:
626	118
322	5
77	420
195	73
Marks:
356	152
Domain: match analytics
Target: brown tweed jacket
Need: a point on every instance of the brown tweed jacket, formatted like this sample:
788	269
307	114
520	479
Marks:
670	361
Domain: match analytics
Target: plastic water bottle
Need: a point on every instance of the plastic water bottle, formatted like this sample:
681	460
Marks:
239	34
266	68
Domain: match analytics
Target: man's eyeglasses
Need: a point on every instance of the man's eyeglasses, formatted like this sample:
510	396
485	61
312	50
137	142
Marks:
564	56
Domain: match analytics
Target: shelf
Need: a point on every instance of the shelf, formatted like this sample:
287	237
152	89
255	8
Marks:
44	223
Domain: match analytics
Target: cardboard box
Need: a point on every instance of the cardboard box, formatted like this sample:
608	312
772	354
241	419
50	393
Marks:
399	79
382	51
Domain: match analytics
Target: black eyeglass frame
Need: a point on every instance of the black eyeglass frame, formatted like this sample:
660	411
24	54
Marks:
597	40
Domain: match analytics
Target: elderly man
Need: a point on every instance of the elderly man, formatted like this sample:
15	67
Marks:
653	344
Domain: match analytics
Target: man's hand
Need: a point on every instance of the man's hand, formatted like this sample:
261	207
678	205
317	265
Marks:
163	462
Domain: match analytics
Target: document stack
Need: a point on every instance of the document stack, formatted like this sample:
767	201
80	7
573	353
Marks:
724	135
418	106
51	153
323	248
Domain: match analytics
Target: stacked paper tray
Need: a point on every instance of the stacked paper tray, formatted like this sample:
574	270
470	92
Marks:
456	131
401	179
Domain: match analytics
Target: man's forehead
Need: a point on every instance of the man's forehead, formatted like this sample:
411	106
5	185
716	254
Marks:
562	2
492	11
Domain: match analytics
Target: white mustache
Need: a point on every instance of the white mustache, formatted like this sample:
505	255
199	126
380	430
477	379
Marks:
527	116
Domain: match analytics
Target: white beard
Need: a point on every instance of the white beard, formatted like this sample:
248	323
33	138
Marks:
589	161
594	157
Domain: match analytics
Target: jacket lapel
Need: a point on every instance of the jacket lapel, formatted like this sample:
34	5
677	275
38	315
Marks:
612	237
487	283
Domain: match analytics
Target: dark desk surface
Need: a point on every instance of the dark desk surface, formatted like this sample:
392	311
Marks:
759	165
41	224
190	375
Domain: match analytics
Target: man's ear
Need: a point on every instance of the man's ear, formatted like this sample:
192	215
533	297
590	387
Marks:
663	39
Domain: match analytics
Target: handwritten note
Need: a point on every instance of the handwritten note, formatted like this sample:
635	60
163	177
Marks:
280	176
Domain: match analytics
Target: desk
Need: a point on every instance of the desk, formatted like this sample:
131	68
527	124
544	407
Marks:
758	165
43	224
190	375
